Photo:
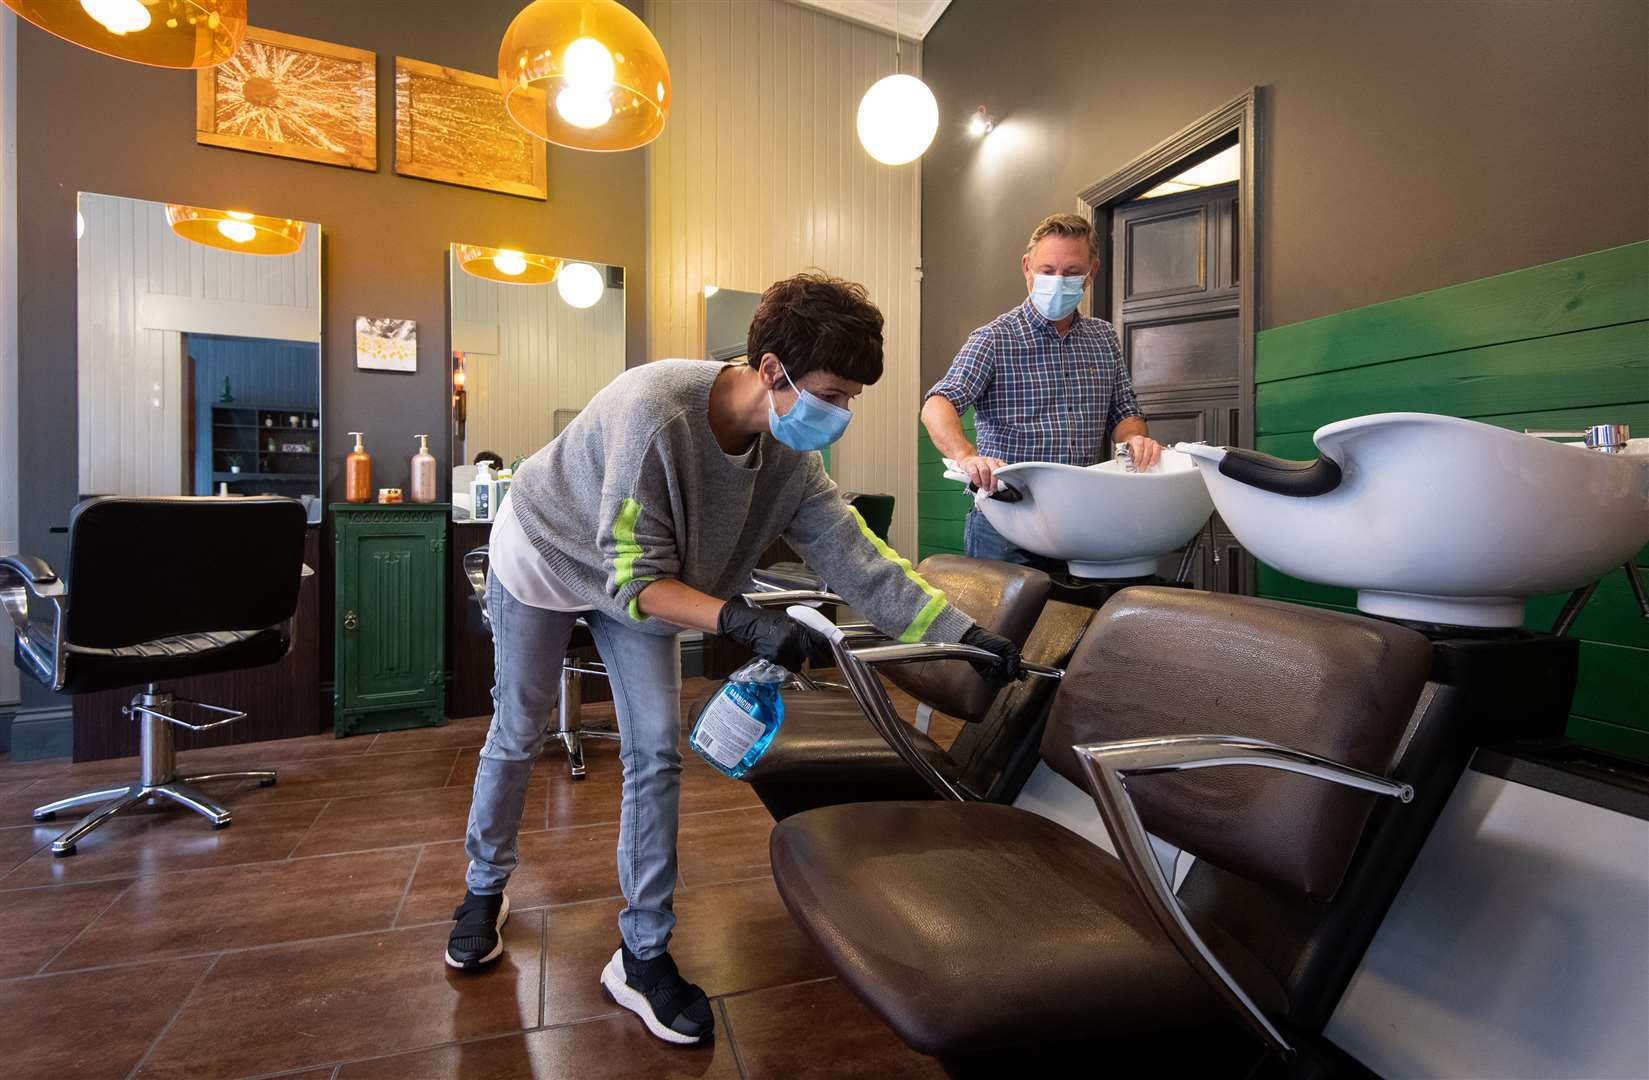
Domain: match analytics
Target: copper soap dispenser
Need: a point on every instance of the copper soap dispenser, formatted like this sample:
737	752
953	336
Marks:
423	473
358	473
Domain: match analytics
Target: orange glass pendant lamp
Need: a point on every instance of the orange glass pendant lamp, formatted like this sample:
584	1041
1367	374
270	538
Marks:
507	265
236	230
162	33
584	74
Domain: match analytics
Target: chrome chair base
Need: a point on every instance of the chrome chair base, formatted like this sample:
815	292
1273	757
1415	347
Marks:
159	779
570	733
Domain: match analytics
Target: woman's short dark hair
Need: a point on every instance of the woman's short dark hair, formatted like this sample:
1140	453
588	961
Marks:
815	322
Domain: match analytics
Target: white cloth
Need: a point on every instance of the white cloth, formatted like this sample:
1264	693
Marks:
523	570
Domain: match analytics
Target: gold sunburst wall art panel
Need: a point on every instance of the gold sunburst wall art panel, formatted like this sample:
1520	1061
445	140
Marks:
292	97
451	126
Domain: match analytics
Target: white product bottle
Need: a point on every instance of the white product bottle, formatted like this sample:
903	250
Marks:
484	492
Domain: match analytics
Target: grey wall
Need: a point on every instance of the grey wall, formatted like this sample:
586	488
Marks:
86	122
1407	145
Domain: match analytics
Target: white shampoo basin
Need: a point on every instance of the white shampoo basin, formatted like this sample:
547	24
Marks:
1105	521
1432	518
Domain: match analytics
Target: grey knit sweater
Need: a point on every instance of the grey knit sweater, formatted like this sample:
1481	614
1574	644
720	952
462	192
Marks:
637	489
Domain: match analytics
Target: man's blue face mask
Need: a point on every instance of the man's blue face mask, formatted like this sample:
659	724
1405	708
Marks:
1055	296
811	424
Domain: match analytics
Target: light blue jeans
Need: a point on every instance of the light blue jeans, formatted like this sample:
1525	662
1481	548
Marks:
645	672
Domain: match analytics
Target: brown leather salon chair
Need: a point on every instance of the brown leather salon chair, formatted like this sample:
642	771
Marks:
827	752
1260	737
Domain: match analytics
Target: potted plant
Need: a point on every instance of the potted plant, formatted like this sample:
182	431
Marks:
234	463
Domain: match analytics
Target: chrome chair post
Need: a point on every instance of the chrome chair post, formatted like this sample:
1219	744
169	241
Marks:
159	752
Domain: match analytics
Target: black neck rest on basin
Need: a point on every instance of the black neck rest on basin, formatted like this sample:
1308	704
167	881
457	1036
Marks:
1280	476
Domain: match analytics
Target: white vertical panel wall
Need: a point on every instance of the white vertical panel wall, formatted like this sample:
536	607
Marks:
549	355
131	388
759	175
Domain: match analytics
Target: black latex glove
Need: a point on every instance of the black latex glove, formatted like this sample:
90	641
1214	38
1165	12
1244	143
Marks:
1005	669
772	635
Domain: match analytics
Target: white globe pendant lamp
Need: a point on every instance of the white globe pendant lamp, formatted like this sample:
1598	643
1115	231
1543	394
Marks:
898	115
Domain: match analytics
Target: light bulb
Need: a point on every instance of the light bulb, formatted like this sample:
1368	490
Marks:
711	290
980	123
509	262
587	66
239	215
238	231
897	119
582	108
580	284
118	16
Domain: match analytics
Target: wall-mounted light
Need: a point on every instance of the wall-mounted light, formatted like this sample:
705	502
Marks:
236	230
584	74
580	284
981	123
174	34
507	264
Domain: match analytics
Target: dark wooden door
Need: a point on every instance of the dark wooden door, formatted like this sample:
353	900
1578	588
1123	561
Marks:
1174	304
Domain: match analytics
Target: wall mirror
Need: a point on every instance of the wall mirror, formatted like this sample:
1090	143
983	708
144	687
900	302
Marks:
727	315
199	351
533	337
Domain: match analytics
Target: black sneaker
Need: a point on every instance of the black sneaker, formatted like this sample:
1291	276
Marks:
475	941
672	1008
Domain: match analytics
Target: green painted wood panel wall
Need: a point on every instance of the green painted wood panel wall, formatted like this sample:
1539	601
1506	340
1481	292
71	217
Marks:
1552	346
941	505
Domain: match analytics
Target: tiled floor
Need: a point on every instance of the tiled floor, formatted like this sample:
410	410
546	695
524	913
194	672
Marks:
306	940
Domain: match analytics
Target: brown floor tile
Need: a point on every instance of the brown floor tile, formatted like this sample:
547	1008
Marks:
619	1046
345	777
591	801
818	1030
561	866
413	817
301	1005
578	941
736	937
17	844
89	1026
138	845
259	755
470	731
239	907
31	770
726	846
703	788
36	923
15	802
600	758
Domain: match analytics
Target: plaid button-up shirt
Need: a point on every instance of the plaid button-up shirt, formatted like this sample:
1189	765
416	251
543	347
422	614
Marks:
1037	396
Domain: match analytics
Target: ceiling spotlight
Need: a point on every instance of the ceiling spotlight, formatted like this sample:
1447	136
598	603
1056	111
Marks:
980	123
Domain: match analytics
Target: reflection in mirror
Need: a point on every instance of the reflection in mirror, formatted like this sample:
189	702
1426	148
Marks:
533	338
199	351
727	315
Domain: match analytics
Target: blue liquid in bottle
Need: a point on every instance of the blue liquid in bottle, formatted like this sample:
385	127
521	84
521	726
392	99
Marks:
739	722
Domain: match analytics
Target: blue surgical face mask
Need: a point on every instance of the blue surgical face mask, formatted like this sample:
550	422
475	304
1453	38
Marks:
1056	297
811	424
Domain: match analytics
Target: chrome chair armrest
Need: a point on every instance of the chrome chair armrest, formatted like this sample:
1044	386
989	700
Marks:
788	597
41	647
1109	765
877	655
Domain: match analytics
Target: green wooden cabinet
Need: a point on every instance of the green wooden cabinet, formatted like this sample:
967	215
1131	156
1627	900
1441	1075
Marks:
390	653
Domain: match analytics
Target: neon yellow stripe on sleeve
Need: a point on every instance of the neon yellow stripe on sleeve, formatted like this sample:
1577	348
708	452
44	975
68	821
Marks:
936	599
624	543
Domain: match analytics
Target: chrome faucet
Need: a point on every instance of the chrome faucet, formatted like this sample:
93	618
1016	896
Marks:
1605	438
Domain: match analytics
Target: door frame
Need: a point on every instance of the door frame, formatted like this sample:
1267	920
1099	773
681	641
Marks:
1239	116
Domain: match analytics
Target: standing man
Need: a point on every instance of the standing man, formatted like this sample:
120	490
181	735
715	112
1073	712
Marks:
647	516
1045	383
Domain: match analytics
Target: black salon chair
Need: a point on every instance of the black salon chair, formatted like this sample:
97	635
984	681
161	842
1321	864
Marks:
163	588
570	732
990	934
828	752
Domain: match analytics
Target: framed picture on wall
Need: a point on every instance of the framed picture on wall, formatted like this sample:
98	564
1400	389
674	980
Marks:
386	344
292	97
451	126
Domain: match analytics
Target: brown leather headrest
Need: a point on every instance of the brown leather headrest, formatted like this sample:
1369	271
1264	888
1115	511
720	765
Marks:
999	596
1161	661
